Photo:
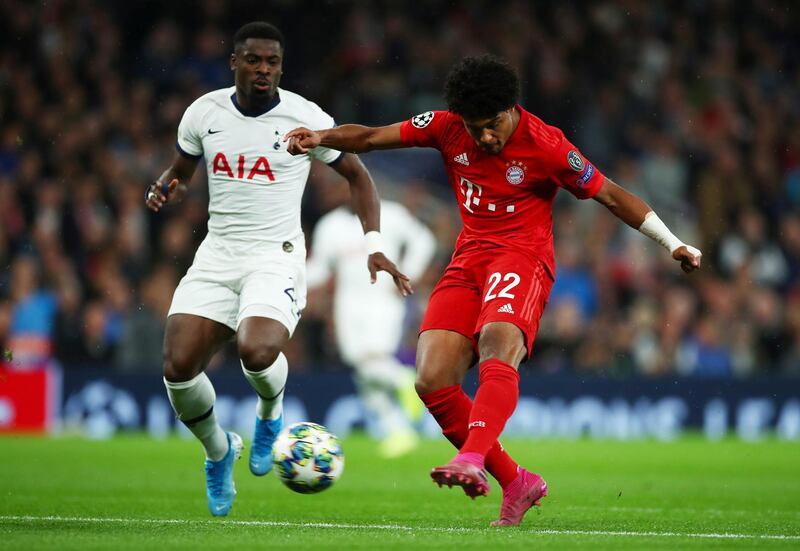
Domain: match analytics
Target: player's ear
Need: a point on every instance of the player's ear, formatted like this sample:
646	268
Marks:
233	61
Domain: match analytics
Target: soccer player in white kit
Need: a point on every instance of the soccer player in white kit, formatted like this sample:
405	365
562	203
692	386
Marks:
248	275
368	319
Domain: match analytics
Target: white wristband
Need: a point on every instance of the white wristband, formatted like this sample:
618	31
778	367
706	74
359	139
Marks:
374	241
656	230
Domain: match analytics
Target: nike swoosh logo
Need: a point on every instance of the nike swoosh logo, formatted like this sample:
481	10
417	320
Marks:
214	131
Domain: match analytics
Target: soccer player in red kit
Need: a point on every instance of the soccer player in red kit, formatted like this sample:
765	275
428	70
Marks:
505	166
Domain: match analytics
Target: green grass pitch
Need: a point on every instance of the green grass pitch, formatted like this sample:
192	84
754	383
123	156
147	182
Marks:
136	493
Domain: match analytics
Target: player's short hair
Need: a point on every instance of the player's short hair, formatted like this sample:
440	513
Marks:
257	29
480	87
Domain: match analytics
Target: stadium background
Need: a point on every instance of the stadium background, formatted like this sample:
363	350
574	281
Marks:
692	105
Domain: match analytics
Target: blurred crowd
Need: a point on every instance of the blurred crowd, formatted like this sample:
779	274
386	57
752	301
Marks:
694	106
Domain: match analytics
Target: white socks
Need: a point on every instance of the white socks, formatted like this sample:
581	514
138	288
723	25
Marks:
193	402
269	384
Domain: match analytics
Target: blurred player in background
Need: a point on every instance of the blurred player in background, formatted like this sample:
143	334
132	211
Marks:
505	166
368	319
248	276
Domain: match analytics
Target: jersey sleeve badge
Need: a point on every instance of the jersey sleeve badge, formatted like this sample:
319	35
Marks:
423	119
575	160
584	178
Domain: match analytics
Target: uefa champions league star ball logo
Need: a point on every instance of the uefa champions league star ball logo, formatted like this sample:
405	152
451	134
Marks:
515	173
423	119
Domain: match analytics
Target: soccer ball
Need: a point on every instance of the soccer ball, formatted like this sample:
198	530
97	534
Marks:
307	458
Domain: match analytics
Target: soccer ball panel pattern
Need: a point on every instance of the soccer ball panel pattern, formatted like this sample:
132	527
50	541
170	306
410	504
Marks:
308	459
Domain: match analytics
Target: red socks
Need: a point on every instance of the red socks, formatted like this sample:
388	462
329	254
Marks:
451	407
495	401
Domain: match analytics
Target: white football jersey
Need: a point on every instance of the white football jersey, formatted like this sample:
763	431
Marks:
338	248
255	186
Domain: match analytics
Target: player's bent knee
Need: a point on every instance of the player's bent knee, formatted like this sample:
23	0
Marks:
426	385
257	357
503	342
179	368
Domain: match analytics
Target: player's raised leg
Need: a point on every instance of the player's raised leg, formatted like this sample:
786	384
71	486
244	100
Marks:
508	322
260	342
501	348
189	343
446	350
494	403
443	358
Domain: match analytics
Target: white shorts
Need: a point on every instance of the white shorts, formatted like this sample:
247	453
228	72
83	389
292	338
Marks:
228	284
368	328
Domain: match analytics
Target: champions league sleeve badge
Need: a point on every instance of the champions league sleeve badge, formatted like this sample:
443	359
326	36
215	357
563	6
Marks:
577	164
423	119
575	160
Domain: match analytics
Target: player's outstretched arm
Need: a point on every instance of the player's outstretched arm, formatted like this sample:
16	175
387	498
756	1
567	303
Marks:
367	206
350	138
637	214
171	185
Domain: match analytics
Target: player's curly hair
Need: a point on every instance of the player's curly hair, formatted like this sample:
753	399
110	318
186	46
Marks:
257	29
480	87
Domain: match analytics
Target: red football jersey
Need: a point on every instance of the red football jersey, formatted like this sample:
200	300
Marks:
507	199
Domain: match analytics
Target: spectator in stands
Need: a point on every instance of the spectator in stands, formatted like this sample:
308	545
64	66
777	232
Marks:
33	311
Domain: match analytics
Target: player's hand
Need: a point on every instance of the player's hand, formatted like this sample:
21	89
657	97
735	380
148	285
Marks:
378	262
689	257
159	193
301	140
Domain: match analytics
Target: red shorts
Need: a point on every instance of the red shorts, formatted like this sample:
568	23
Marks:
487	285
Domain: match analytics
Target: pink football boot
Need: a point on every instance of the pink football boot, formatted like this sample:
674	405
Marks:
465	471
524	492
